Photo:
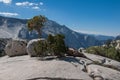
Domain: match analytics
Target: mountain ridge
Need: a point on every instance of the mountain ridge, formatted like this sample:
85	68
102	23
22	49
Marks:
16	28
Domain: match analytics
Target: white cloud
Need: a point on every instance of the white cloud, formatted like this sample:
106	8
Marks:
35	7
6	1
8	14
31	5
26	3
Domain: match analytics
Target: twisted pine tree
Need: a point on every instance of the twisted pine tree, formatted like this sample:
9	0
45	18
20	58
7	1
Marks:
36	23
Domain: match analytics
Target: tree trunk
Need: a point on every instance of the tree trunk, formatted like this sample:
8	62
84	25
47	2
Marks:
39	33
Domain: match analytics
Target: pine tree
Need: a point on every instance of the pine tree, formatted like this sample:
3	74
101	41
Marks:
36	23
59	47
50	41
56	45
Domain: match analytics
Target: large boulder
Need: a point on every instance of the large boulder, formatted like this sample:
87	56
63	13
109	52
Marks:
16	48
31	46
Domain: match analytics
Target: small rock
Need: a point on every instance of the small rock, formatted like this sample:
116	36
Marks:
81	50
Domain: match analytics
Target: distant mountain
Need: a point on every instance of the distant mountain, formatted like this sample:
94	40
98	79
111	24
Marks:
16	28
103	37
118	37
72	38
9	27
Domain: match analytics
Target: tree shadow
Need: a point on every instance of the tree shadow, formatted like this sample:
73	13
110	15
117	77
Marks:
72	60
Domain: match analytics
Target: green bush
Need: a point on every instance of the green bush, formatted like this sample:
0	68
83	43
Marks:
41	48
109	52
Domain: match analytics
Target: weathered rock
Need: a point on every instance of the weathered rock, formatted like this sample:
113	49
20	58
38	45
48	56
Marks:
82	60
75	53
16	48
31	46
118	45
103	60
27	68
102	73
94	57
81	50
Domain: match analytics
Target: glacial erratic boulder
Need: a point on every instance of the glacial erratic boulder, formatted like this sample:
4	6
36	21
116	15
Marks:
31	46
16	48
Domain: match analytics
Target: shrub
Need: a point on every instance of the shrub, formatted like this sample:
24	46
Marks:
109	52
41	48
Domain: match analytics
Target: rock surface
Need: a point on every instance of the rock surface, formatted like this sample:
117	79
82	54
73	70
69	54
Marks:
103	60
24	67
52	68
16	48
31	45
118	45
103	73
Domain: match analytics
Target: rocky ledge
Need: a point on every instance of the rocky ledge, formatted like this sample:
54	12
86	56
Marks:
66	68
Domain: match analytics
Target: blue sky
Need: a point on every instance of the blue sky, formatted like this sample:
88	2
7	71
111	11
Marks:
87	16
